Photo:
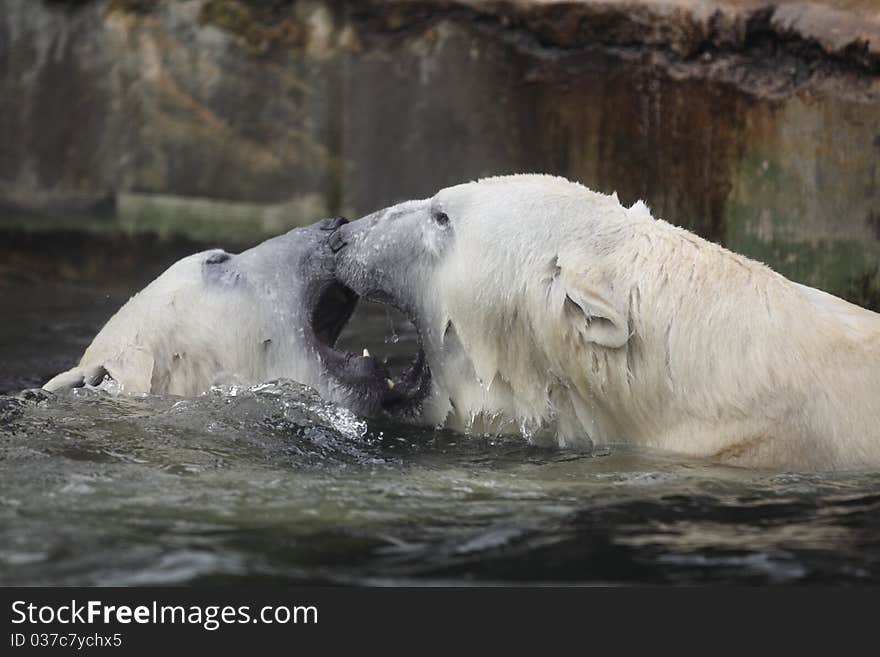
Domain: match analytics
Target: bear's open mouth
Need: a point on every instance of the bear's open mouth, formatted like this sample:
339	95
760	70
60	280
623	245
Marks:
366	384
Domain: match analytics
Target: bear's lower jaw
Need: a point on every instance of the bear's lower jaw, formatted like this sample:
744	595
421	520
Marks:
361	382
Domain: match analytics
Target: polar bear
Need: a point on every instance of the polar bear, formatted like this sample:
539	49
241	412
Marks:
273	311
551	310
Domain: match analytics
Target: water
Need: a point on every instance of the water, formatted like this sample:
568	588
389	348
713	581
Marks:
271	484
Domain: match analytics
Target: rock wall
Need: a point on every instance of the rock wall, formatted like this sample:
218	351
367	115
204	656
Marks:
756	124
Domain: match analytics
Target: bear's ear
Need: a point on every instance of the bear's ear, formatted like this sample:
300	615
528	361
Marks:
587	307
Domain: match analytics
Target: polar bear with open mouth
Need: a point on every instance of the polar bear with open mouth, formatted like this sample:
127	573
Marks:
548	309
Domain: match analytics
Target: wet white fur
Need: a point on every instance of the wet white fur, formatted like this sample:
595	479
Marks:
719	356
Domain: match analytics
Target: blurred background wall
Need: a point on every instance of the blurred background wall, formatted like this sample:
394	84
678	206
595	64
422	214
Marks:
755	124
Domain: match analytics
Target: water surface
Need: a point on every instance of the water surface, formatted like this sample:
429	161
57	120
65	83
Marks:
271	484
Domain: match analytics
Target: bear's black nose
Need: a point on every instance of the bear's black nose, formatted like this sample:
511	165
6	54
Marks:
333	223
336	242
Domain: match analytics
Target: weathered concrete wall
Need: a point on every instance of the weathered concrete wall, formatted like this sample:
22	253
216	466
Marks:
756	124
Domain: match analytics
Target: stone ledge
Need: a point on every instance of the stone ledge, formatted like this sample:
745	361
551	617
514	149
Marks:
844	31
848	35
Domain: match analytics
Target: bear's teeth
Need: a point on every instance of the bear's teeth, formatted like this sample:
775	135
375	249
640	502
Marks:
366	353
390	384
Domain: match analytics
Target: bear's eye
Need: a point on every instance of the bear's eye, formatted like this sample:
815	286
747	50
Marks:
441	218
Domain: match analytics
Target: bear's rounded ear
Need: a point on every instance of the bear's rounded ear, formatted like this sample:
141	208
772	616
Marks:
588	310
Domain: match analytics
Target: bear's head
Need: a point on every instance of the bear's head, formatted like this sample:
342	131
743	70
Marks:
510	284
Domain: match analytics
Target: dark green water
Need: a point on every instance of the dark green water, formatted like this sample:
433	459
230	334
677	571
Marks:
272	484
